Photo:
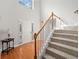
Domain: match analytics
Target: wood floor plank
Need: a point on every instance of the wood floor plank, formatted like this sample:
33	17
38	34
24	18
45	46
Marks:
25	51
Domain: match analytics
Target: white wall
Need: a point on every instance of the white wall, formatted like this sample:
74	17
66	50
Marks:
63	8
12	14
29	16
8	18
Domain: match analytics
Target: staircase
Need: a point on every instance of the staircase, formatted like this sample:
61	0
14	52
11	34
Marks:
63	45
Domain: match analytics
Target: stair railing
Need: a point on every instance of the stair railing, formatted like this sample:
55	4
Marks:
50	19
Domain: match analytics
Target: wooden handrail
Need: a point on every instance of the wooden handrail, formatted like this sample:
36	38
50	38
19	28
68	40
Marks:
43	25
58	18
36	34
47	22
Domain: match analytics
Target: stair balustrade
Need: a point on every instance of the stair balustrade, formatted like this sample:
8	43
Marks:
41	37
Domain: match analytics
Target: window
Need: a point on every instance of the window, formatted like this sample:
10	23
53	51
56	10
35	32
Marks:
26	3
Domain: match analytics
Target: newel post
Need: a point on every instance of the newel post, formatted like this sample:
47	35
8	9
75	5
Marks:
35	37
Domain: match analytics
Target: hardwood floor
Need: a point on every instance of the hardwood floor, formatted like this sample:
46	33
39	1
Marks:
25	51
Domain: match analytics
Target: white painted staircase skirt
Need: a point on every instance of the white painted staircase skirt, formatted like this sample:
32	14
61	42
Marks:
63	45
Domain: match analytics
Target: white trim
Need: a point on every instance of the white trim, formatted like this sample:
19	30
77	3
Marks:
32	4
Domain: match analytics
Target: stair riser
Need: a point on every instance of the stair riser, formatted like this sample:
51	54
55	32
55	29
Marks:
54	54
43	58
48	57
74	28
65	42
65	36
69	51
65	31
